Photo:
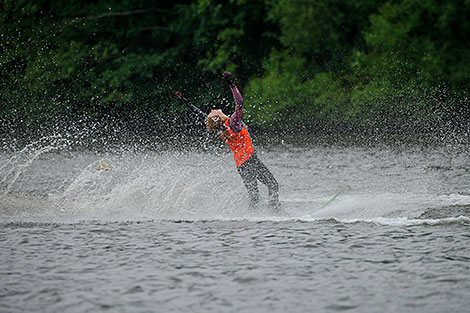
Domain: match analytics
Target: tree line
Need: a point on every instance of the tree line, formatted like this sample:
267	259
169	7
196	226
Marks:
299	63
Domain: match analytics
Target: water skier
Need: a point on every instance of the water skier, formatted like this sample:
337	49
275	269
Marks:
236	136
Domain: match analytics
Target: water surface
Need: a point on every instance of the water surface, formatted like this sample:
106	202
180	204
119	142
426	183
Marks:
171	230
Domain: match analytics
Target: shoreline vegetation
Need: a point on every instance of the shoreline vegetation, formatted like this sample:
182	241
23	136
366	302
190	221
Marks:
304	67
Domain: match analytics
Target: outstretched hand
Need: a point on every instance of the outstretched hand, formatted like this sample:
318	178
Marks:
229	79
188	104
183	100
179	95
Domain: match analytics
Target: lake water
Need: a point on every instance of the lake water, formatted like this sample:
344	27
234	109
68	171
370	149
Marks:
170	230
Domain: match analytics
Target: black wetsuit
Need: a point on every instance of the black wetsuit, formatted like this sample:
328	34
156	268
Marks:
253	170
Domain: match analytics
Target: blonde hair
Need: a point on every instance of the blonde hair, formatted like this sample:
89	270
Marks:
214	122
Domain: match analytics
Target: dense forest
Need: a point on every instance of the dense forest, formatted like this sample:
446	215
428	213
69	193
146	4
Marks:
396	64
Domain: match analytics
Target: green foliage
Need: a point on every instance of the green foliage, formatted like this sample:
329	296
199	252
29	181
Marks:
323	31
369	63
421	38
299	62
121	55
285	96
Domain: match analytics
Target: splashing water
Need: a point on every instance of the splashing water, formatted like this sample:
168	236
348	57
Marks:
90	219
47	180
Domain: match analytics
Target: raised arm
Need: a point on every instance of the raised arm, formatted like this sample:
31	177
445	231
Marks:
236	118
189	105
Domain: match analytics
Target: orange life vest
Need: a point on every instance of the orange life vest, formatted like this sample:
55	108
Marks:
239	143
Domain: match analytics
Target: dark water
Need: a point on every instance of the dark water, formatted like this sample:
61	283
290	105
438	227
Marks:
172	231
235	266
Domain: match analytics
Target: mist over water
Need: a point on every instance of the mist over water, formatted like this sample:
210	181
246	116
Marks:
51	180
135	227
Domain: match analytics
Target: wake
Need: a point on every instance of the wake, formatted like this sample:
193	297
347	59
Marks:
47	181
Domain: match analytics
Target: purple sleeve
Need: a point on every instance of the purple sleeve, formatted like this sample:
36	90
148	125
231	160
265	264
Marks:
236	118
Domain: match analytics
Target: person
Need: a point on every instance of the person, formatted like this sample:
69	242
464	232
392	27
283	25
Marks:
235	134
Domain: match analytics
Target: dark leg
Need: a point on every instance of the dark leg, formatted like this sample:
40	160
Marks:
267	178
249	179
